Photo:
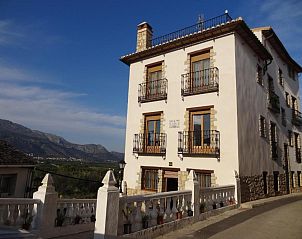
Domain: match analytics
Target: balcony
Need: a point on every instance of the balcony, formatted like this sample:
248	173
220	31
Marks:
298	155
150	143
297	118
200	26
201	143
199	82
274	102
274	150
152	90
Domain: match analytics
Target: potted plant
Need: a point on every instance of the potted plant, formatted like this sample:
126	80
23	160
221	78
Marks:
127	226
160	219
214	205
189	211
202	207
221	204
92	218
77	219
179	212
145	220
27	221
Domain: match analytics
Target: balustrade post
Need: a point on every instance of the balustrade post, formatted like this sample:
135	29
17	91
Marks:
238	191
47	210
107	208
193	185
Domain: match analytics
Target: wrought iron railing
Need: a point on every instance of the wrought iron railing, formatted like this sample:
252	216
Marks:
297	118
200	81
205	142
153	143
298	155
274	150
153	90
202	25
274	102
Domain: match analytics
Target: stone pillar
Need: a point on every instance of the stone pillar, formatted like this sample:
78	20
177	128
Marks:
47	210
193	185
107	209
238	188
144	36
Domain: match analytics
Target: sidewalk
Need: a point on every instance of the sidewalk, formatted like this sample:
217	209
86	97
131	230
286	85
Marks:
214	224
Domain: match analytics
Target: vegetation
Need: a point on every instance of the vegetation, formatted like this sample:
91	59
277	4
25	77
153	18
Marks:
90	173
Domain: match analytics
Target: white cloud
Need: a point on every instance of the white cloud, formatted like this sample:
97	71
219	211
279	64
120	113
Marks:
57	111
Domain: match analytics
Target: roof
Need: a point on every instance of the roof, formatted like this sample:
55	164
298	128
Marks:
274	40
236	25
11	156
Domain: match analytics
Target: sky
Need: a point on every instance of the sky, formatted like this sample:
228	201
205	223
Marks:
59	59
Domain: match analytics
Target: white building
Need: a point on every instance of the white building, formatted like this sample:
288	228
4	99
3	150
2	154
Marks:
216	97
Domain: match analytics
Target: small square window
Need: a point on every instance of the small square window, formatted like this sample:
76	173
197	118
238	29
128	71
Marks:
287	98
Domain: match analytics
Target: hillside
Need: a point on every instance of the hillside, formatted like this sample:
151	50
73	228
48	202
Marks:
46	145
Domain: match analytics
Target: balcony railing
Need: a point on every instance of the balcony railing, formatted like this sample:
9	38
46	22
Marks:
205	142
298	155
274	102
153	90
200	81
297	118
150	143
202	25
274	150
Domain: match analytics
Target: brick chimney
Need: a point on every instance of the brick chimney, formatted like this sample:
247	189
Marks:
144	36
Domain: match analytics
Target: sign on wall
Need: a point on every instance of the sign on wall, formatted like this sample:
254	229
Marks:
173	123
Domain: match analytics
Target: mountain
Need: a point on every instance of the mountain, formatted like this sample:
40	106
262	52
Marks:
46	145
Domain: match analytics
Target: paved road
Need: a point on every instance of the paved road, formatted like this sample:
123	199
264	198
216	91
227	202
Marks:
279	219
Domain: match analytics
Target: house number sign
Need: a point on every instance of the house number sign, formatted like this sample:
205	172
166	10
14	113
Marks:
173	123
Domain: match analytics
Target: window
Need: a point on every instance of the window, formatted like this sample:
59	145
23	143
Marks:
259	75
274	141
287	98
292	178
264	182
283	117
154	75
262	126
7	184
298	147
150	179
294	103
299	178
204	179
153	139
291	72
276	181
280	76
200	69
290	138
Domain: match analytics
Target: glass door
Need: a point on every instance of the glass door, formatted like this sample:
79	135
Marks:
152	134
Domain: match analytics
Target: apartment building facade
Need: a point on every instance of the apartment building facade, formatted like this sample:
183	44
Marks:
206	98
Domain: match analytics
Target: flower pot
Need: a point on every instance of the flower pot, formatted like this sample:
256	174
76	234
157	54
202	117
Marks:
127	228
145	224
190	213
178	215
214	206
160	220
221	204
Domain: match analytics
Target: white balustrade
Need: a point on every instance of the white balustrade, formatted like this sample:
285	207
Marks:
215	197
159	207
75	211
17	212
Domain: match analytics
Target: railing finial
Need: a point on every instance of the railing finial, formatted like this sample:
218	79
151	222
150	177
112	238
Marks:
109	179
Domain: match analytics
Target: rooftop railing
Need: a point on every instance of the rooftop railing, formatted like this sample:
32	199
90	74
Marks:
200	26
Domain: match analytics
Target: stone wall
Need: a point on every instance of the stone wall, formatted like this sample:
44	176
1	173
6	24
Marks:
252	187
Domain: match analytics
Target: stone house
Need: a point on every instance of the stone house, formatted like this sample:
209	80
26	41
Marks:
216	97
15	172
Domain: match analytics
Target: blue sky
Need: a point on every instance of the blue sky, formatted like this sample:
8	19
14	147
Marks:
59	60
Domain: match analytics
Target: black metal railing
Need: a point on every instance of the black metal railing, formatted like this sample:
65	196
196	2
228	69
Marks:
150	143
153	90
274	102
205	142
298	155
198	82
274	150
202	25
297	117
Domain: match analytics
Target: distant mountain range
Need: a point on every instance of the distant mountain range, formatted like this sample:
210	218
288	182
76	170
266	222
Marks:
44	145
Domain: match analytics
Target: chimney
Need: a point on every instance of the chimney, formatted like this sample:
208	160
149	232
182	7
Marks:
144	36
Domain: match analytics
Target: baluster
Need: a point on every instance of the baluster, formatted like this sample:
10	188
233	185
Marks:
174	209
137	224
153	213
21	214
10	217
183	206
2	208
168	210
161	210
30	213
69	213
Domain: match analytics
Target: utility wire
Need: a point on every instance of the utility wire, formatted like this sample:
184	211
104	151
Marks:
66	176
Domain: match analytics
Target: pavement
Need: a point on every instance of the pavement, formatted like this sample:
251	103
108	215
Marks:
270	218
